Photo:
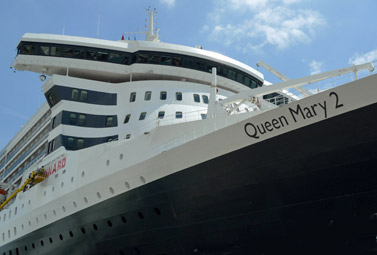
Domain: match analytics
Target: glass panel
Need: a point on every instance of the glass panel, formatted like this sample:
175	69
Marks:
177	61
204	116
240	77
148	95
247	81
53	123
161	115
81	120
91	55
205	99
196	98
133	97
28	49
78	53
70	142
102	56
56	51
231	74
178	96
178	115
117	58
75	94
127	119
163	95
72	118
166	60
143	58
155	59
142	115
128	136
51	99
79	143
44	50
253	84
67	52
84	95
109	121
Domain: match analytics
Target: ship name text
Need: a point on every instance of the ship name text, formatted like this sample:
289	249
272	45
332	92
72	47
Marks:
295	114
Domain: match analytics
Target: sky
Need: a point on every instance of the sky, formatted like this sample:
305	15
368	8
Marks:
297	37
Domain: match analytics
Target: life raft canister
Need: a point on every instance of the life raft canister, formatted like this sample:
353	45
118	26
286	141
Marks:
3	192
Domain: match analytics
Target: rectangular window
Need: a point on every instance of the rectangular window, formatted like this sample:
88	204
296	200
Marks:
253	84
142	115
178	96
53	123
143	58
75	94
247	81
102	56
205	99
178	115
240	77
148	95
56	51
81	120
53	145
128	136
70	143
204	116
127	119
44	50
77	53
161	115
67	52
83	96
79	143
109	121
133	97
196	98
166	60
163	95
28	49
231	74
177	61
72	118
51	99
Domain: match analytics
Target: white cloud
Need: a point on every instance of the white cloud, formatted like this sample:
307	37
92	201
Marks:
272	22
169	3
316	67
357	58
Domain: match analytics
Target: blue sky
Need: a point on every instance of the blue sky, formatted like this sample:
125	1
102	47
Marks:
297	37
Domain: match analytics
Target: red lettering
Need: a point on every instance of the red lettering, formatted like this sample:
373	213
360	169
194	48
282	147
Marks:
59	165
54	170
63	162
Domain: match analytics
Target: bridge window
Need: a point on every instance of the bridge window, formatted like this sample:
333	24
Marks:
163	95
84	95
72	118
148	95
44	50
178	96
81	120
51	99
70	143
75	95
133	97
109	121
79	143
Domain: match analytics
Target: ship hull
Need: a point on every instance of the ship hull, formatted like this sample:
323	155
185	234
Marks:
312	190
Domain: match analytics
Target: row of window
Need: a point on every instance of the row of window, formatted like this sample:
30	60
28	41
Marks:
77	143
164	95
84	120
142	57
160	115
58	93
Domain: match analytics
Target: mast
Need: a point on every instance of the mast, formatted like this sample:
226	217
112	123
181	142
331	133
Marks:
150	36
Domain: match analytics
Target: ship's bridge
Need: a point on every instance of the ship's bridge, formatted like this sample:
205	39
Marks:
122	61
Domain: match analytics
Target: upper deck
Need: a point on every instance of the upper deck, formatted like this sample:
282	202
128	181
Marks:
120	61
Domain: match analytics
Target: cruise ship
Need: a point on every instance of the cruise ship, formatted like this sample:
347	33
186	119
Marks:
146	147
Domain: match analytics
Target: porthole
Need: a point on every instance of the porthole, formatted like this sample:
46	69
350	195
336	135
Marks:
56	176
82	174
42	243
50	239
98	195
85	200
29	223
62	184
127	185
142	179
107	162
141	216
22	226
53	189
95	227
74	204
124	220
63	207
37	220
72	179
45	216
83	230
25	248
54	212
70	234
22	206
33	245
44	193
111	190
29	202
61	237
121	156
64	171
109	223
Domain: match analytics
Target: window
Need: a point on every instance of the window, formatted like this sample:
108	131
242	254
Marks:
81	120
79	143
161	115
253	84
204	116
178	96
70	143
72	118
84	95
75	94
44	50
53	145
53	123
133	97
148	95
142	115
127	119
109	121
196	98
178	115
163	95
239	77
51	99
28	49
205	99
128	136
231	74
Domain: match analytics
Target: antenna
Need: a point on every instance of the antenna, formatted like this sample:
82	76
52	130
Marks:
63	29
99	19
